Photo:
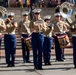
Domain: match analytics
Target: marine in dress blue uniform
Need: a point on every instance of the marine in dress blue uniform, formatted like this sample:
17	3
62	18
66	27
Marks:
59	30
47	40
10	39
36	26
24	31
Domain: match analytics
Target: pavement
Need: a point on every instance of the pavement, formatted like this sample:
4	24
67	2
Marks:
67	51
57	68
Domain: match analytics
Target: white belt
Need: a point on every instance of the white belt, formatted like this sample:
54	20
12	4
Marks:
9	33
23	33
59	32
47	35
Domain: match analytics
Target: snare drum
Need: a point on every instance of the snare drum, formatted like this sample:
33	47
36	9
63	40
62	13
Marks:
64	40
28	42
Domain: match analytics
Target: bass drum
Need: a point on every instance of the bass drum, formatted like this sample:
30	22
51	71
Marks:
28	42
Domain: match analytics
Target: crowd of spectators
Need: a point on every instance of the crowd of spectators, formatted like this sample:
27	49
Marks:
38	3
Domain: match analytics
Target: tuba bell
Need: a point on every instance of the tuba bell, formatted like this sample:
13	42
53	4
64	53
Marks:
66	10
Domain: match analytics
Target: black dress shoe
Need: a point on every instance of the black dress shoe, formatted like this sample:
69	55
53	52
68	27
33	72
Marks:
45	64
60	60
35	68
49	63
8	65
12	65
40	68
75	66
28	61
24	61
63	59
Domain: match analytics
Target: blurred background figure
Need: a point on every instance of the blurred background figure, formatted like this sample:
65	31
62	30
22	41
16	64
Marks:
31	11
63	1
41	3
24	32
35	2
2	29
47	40
71	1
1	2
5	3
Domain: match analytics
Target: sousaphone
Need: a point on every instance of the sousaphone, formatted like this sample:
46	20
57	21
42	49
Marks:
66	10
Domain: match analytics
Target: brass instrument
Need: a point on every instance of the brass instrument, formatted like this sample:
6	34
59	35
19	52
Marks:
66	9
67	12
3	12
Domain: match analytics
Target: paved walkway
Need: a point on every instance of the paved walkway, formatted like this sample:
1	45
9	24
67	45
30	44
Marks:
57	68
68	51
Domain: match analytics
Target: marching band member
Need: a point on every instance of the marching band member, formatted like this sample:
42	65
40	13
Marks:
10	39
60	29
36	26
47	40
24	31
74	41
2	28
